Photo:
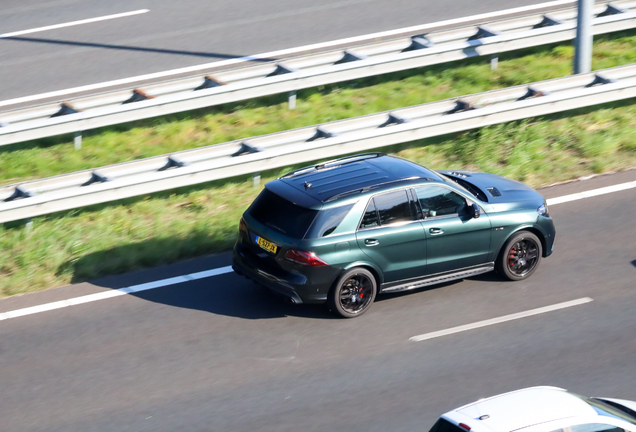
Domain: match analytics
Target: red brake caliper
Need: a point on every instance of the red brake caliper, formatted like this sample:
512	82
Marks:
511	257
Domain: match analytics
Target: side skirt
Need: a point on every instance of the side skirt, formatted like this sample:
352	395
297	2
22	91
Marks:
440	278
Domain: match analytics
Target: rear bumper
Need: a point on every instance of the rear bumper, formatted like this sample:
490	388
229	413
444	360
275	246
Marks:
295	287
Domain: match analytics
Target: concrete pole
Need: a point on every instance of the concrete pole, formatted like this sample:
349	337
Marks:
583	41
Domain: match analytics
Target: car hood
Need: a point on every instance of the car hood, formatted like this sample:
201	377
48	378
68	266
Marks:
501	192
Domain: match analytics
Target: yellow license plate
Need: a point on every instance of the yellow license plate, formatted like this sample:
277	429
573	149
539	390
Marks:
268	246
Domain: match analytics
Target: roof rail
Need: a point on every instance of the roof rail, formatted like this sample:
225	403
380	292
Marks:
333	163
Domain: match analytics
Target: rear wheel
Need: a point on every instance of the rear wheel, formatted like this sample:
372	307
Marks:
353	293
520	256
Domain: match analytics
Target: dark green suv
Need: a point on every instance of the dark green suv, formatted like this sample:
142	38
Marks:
343	231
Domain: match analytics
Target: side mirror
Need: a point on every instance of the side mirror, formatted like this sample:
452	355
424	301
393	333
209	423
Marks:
475	210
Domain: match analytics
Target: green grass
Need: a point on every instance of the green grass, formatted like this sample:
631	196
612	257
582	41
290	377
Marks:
165	227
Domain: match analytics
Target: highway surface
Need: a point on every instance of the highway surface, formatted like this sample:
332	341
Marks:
166	34
220	354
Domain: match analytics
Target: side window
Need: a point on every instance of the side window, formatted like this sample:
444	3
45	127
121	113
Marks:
370	218
591	427
393	207
439	201
327	221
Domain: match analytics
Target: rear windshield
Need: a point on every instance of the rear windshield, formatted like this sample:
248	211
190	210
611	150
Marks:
445	426
282	215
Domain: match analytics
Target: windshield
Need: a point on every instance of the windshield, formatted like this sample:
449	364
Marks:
467	187
605	409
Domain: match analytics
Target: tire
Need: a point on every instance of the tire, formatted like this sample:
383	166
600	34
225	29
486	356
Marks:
353	293
520	256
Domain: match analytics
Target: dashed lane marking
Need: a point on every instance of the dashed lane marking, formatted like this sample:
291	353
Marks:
499	320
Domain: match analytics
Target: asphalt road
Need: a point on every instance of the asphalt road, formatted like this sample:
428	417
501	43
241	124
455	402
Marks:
219	354
186	33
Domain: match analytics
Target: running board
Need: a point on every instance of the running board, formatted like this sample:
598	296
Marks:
435	279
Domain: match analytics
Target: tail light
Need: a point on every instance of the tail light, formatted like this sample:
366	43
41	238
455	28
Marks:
304	258
242	227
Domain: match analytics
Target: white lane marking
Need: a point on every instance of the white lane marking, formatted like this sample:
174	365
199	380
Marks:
275	54
228	269
504	318
73	23
591	193
114	293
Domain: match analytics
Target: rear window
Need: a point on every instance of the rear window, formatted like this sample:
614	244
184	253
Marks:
445	426
327	221
282	215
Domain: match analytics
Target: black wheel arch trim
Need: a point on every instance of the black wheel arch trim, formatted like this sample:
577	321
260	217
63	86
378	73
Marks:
534	229
379	279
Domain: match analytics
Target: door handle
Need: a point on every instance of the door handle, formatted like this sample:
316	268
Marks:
371	242
436	231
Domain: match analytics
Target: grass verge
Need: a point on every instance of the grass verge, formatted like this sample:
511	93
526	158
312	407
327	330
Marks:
165	227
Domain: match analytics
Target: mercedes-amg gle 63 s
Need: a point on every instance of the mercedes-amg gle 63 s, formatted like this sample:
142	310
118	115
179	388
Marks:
343	231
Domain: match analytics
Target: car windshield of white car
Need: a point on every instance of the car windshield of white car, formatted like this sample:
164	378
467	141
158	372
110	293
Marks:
605	409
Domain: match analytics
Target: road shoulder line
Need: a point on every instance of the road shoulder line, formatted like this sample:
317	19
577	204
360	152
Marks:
114	293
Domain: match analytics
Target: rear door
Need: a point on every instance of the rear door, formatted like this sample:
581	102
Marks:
392	237
454	239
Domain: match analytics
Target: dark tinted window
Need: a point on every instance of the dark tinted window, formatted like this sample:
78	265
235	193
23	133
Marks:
445	426
370	218
327	221
282	215
439	201
393	207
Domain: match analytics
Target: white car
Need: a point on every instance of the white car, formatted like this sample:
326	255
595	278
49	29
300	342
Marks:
541	409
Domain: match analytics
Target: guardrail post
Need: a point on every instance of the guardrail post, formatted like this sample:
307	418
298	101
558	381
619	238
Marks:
28	225
256	179
494	61
77	140
292	99
583	41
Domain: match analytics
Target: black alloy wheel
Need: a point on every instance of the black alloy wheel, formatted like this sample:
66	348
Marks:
520	256
353	293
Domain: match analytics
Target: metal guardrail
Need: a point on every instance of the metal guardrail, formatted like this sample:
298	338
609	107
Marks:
282	149
313	70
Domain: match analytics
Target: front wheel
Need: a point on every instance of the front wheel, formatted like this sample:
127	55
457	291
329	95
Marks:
353	293
520	256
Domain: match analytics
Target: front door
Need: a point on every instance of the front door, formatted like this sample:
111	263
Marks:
454	239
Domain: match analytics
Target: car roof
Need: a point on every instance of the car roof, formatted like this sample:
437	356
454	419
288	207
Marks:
527	407
342	177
